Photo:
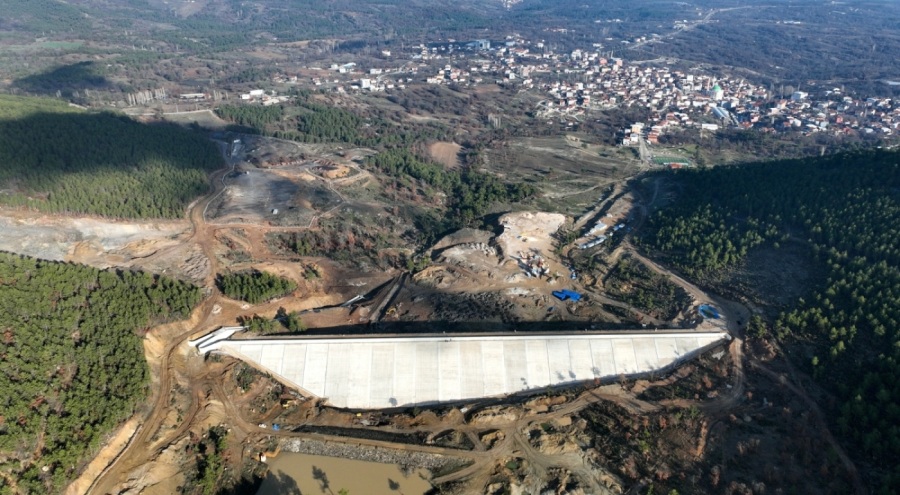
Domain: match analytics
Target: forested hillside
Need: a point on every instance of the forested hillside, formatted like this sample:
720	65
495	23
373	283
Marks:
305	120
255	117
846	209
58	159
469	193
71	361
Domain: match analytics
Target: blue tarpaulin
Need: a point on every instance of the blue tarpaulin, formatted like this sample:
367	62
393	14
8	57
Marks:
709	312
562	295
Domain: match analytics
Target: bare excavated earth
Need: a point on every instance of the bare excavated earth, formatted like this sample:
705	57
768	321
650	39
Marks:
524	231
288	196
157	246
447	154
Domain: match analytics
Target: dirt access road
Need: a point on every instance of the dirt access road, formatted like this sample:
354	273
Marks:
178	367
138	449
150	438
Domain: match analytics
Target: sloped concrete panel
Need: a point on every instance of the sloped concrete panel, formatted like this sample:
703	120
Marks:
494	368
376	373
471	362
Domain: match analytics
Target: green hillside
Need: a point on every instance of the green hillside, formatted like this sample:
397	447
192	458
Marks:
59	159
71	361
846	210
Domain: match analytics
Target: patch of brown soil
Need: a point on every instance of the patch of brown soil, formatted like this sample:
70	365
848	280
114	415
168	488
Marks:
445	153
335	171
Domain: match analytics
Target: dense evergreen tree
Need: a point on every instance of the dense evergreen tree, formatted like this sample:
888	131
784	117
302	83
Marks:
71	361
328	124
846	208
305	120
58	159
293	323
283	321
258	324
254	286
254	116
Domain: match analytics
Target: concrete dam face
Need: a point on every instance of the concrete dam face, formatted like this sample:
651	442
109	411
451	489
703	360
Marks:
379	373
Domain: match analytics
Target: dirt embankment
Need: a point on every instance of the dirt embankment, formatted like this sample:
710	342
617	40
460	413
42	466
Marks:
69	238
157	246
111	449
372	454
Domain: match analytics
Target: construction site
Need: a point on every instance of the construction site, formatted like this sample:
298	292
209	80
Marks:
504	359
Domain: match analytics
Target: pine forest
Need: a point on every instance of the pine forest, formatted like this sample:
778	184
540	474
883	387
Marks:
72	364
845	209
59	159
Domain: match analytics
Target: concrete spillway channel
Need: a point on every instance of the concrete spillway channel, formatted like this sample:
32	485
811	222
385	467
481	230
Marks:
395	287
387	372
203	343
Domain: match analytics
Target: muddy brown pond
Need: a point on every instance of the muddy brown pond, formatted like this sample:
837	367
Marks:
296	474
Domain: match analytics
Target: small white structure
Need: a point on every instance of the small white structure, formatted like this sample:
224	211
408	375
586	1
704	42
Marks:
213	337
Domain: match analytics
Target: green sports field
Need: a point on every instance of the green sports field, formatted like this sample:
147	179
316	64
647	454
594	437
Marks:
662	160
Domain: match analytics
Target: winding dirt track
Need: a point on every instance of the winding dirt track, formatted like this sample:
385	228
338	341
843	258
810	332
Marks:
145	446
137	452
148	442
